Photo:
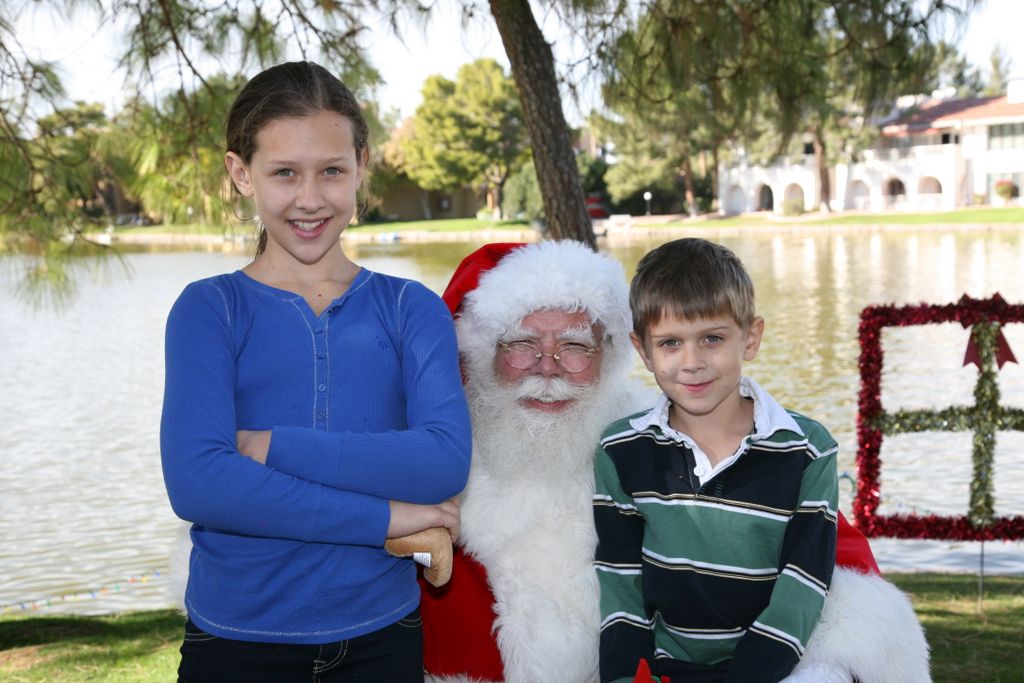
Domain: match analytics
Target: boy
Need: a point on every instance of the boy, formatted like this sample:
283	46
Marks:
716	509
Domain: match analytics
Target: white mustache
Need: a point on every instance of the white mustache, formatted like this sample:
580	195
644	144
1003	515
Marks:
549	389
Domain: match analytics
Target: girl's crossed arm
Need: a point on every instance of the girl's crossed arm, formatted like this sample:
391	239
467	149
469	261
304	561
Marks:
427	462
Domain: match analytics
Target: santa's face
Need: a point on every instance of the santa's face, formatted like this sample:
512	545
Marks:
547	386
538	423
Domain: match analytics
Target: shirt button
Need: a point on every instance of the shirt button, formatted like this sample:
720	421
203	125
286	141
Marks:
699	471
320	416
322	387
318	330
321	354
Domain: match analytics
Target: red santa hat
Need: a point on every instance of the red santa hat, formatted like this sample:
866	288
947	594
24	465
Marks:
467	275
499	284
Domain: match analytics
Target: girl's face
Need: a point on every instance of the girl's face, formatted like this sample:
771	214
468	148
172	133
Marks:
303	179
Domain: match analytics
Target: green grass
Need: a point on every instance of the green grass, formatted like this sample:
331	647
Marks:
968	216
713	221
983	216
446	225
137	647
185	229
442	225
967	645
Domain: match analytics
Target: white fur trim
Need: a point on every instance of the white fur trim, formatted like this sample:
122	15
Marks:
868	628
565	275
535	536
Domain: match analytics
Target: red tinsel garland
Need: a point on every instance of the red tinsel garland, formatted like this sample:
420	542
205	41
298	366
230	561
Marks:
968	312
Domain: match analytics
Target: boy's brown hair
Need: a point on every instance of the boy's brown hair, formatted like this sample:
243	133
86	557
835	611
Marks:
690	278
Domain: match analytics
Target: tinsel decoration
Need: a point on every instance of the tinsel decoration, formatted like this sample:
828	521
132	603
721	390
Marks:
985	418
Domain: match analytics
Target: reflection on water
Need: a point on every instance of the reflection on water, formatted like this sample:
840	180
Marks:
84	510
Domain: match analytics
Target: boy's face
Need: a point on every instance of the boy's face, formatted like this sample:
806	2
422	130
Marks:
697	363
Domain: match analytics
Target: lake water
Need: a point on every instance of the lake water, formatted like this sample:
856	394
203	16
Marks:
85	523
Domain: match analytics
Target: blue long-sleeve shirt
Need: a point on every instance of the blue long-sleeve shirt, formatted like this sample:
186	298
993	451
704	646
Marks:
366	405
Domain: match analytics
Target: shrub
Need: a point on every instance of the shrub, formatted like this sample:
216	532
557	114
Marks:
792	206
521	199
1006	189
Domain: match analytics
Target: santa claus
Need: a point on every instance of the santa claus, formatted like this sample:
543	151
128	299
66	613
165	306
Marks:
543	334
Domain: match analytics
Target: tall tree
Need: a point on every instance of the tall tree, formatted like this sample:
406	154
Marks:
804	64
742	46
54	182
533	67
185	36
177	151
1000	65
951	69
659	122
467	132
161	36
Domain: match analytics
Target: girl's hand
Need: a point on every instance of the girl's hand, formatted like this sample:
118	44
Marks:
408	518
254	444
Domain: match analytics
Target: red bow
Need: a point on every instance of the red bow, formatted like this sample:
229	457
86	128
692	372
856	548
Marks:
1003	352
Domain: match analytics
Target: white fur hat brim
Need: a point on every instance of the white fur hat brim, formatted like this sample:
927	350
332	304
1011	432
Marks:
548	275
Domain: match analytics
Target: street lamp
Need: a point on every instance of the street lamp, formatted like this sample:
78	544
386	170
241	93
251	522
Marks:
647	198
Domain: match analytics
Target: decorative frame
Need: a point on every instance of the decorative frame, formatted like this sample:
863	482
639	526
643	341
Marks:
987	348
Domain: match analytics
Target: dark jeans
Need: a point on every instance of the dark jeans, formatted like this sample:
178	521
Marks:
393	654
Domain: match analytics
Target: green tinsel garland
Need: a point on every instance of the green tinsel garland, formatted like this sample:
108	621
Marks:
985	419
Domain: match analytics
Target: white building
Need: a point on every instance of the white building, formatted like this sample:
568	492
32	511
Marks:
937	154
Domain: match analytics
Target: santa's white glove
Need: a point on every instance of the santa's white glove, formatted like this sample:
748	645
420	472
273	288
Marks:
818	673
432	548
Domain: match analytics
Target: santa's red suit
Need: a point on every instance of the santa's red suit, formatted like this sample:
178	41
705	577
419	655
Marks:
522	604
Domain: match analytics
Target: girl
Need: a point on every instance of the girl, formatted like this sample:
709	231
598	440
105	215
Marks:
340	386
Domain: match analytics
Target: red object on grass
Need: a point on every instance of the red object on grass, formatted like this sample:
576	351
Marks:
643	674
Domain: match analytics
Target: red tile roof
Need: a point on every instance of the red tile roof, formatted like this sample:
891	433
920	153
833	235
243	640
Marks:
932	115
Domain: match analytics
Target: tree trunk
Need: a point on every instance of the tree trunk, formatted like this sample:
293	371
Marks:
425	204
494	202
533	68
823	180
499	193
691	195
715	189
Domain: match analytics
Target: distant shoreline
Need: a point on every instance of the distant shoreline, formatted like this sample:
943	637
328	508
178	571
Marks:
638	229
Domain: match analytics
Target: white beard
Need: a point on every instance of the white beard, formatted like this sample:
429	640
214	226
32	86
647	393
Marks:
527	516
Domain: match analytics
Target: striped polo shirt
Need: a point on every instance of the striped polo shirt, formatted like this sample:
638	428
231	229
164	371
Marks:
713	575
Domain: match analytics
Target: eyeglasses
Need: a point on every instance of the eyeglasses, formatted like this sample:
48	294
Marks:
572	358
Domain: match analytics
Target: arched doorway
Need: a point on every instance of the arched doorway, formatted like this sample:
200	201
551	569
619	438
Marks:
793	203
765	199
895	193
929	193
735	201
860	196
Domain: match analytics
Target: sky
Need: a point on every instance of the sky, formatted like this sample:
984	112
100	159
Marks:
88	52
